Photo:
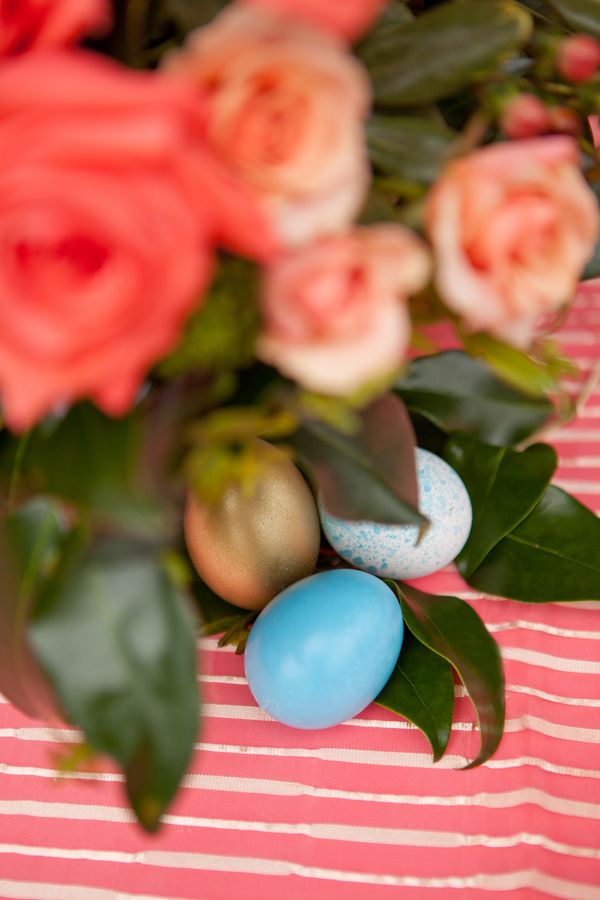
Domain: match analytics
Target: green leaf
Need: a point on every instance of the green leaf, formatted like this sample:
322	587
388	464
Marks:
551	556
514	366
117	640
221	335
503	485
411	147
592	269
31	540
218	616
459	393
421	689
443	50
452	628
370	475
580	15
93	461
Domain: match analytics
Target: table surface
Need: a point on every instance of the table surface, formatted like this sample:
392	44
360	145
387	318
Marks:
357	812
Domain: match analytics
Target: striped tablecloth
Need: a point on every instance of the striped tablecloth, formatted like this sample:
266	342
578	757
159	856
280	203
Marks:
358	811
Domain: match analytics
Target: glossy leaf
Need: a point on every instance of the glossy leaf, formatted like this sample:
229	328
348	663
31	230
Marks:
452	628
411	147
30	546
118	642
443	50
459	393
553	555
504	486
516	368
370	475
91	460
422	690
580	15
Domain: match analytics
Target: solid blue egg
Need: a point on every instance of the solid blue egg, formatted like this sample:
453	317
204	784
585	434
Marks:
324	648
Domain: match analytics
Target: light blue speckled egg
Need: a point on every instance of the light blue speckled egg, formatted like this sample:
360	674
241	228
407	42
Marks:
391	550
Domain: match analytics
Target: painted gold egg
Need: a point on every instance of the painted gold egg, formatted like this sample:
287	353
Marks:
248	548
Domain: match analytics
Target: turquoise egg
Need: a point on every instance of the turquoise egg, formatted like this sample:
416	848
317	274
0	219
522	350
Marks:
392	551
324	648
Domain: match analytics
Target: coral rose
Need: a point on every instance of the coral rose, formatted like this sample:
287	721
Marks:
284	110
512	226
33	24
102	257
348	18
334	312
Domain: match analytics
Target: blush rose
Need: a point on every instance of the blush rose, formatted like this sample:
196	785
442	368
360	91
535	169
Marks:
102	257
283	108
335	315
35	24
512	226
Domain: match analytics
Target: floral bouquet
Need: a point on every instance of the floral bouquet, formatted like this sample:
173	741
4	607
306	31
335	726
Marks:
251	255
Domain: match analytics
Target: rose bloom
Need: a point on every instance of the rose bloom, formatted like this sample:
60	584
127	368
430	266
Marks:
348	18
102	257
33	24
284	109
334	312
512	227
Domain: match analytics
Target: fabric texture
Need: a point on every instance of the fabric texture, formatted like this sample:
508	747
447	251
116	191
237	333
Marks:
356	812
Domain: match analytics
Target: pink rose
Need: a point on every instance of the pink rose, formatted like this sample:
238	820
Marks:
33	24
348	18
334	312
103	257
284	110
512	226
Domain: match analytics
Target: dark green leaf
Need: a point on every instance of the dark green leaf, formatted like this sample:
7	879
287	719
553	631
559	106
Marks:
443	50
553	555
421	689
117	640
503	485
91	460
394	16
30	544
452	628
580	15
218	616
221	335
458	393
592	270
367	476
411	147
188	15
514	366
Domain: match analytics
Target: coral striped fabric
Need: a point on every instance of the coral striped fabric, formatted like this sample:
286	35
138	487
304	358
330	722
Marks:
357	812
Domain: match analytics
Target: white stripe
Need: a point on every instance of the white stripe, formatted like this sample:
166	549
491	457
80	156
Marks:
579	462
275	788
570	435
549	661
577	336
328	831
224	679
578	487
525	722
544	695
524	625
37	890
409	760
557	887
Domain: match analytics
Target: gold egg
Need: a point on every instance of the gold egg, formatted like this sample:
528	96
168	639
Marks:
249	548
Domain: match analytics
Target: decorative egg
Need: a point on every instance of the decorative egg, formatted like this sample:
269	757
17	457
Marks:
247	548
392	550
324	648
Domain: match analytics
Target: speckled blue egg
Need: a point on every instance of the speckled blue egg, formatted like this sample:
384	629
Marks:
324	648
392	550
